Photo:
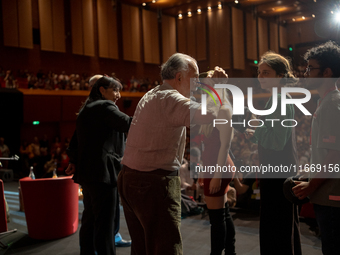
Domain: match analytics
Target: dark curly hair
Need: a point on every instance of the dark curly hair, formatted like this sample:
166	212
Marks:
327	55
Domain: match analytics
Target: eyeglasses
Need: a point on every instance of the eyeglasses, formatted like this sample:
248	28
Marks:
308	68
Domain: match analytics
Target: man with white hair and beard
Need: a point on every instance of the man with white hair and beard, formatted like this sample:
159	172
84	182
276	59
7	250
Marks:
149	183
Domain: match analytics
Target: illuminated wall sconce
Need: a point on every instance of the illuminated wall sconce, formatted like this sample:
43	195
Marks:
189	14
180	16
209	8
199	11
219	6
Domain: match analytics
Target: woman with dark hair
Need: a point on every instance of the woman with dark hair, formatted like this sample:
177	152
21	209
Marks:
95	152
276	147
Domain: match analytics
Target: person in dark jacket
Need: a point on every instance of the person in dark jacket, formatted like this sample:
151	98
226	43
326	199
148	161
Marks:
95	152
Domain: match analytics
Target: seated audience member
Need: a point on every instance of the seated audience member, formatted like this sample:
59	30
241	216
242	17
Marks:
248	187
56	144
188	183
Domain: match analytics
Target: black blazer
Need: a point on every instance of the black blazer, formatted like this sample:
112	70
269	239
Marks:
98	144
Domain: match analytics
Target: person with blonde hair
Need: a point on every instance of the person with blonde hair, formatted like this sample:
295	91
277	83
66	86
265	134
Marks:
276	147
217	142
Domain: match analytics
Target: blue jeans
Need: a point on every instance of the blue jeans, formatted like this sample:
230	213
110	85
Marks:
328	219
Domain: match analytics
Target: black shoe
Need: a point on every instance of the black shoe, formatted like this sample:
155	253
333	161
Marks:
123	243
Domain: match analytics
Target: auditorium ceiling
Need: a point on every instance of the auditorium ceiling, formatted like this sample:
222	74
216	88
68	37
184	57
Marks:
284	11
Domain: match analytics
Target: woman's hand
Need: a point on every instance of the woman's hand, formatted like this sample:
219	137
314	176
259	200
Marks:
215	185
218	75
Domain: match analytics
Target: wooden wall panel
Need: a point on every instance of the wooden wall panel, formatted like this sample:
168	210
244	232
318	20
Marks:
107	30
181	35
58	25
10	23
168	36
191	37
88	28
77	27
46	25
274	37
151	37
238	39
219	38
103	28
25	24
303	32
131	33
201	37
263	36
113	33
283	37
251	37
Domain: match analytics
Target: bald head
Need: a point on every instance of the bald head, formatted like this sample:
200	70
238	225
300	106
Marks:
94	78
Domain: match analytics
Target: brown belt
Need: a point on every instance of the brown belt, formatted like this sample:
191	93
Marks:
161	172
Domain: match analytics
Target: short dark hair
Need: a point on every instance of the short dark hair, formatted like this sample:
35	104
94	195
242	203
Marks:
327	55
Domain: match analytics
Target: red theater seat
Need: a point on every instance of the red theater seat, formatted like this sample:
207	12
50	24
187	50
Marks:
3	218
51	207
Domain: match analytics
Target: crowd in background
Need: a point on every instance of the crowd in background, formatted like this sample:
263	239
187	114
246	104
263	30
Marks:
64	81
44	156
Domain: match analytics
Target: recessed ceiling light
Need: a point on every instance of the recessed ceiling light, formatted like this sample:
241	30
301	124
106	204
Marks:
143	4
332	12
153	1
236	1
303	17
313	15
293	19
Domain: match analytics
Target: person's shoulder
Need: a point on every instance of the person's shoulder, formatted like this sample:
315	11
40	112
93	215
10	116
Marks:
333	103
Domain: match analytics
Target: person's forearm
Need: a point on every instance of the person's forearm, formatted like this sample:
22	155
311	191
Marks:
200	119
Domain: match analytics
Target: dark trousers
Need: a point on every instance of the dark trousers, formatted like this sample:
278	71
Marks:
97	229
152	208
279	221
328	219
